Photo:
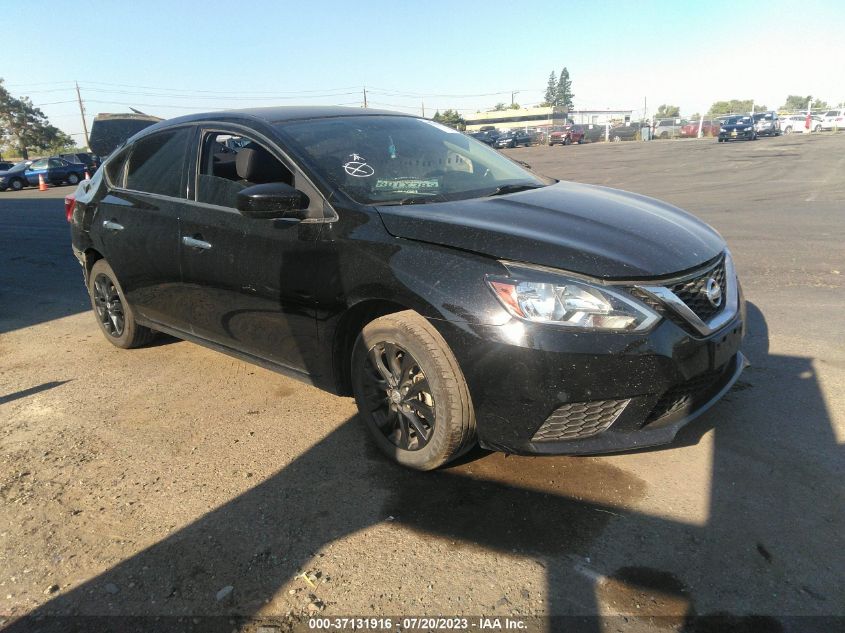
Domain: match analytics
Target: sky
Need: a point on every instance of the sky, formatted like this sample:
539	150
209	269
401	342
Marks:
173	58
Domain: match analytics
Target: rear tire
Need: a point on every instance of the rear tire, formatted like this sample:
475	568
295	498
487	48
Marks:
73	179
411	393
114	314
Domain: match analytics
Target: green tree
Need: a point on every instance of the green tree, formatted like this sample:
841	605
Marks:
514	106
551	91
26	127
819	104
563	90
735	106
451	118
796	102
666	111
499	107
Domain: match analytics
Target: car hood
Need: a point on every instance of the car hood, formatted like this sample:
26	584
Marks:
595	231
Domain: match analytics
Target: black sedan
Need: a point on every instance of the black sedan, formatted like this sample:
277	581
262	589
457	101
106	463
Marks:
737	128
514	138
459	297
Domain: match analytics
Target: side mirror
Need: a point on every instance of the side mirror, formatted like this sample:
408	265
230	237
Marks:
272	200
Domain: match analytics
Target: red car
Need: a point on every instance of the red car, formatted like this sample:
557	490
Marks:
710	128
567	135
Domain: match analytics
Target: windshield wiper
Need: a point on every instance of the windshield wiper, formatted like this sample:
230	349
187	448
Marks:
513	188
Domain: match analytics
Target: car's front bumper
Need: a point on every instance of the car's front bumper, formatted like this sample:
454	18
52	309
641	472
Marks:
538	389
740	136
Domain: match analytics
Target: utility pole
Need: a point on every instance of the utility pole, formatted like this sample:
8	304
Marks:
365	96
513	92
423	108
82	113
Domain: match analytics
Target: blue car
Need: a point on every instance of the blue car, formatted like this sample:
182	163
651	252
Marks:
56	171
15	177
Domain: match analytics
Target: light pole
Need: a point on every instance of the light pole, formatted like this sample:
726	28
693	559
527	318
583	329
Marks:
513	92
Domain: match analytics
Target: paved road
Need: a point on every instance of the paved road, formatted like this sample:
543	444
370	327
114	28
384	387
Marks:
146	481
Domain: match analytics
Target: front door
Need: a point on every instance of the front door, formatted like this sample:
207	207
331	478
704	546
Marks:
249	279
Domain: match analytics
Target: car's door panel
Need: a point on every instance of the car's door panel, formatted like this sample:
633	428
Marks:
136	226
139	237
249	282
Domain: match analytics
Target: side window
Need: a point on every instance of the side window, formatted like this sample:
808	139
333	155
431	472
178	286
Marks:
156	163
115	169
55	163
39	164
230	163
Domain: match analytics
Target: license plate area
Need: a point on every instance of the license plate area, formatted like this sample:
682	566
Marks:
725	346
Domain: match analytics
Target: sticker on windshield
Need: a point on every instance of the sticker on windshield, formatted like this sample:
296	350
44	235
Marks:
407	185
357	166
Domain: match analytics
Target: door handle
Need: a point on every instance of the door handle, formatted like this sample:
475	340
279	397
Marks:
195	243
111	225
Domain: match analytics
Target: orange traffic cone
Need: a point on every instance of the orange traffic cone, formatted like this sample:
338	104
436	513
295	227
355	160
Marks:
42	186
87	177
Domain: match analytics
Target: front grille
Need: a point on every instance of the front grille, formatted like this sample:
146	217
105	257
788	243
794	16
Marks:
690	395
692	292
579	419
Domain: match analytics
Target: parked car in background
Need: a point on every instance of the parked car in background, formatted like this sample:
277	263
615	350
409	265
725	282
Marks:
710	127
625	132
91	161
833	119
737	128
488	137
15	177
561	135
460	298
797	124
513	138
55	171
767	123
669	128
592	133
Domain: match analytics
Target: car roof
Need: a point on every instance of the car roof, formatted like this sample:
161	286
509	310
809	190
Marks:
277	114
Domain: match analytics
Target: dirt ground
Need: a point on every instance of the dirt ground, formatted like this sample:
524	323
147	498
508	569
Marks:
175	481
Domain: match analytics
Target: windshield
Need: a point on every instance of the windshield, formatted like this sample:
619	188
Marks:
737	120
400	160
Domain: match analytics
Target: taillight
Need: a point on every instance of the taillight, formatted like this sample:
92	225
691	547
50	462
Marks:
70	202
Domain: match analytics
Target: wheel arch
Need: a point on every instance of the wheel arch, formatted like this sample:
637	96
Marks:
349	326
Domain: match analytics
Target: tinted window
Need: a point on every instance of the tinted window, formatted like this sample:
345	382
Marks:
156	163
39	164
115	171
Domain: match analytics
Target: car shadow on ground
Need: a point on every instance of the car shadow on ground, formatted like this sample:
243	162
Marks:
716	576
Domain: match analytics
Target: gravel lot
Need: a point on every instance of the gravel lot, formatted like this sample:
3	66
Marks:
151	481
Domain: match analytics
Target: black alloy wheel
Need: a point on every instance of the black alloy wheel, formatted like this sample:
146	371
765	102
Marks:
411	393
113	313
400	395
108	306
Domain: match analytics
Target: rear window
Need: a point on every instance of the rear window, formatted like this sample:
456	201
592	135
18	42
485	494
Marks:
833	113
156	163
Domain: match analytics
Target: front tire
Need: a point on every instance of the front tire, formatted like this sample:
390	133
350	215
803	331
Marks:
114	314
411	393
73	179
16	184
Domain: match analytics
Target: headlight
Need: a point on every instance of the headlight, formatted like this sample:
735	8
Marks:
748	129
572	303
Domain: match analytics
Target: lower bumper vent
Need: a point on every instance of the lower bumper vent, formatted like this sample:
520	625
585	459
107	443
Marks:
579	419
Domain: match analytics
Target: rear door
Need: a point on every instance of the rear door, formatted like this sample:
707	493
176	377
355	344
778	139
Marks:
249	280
136	225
